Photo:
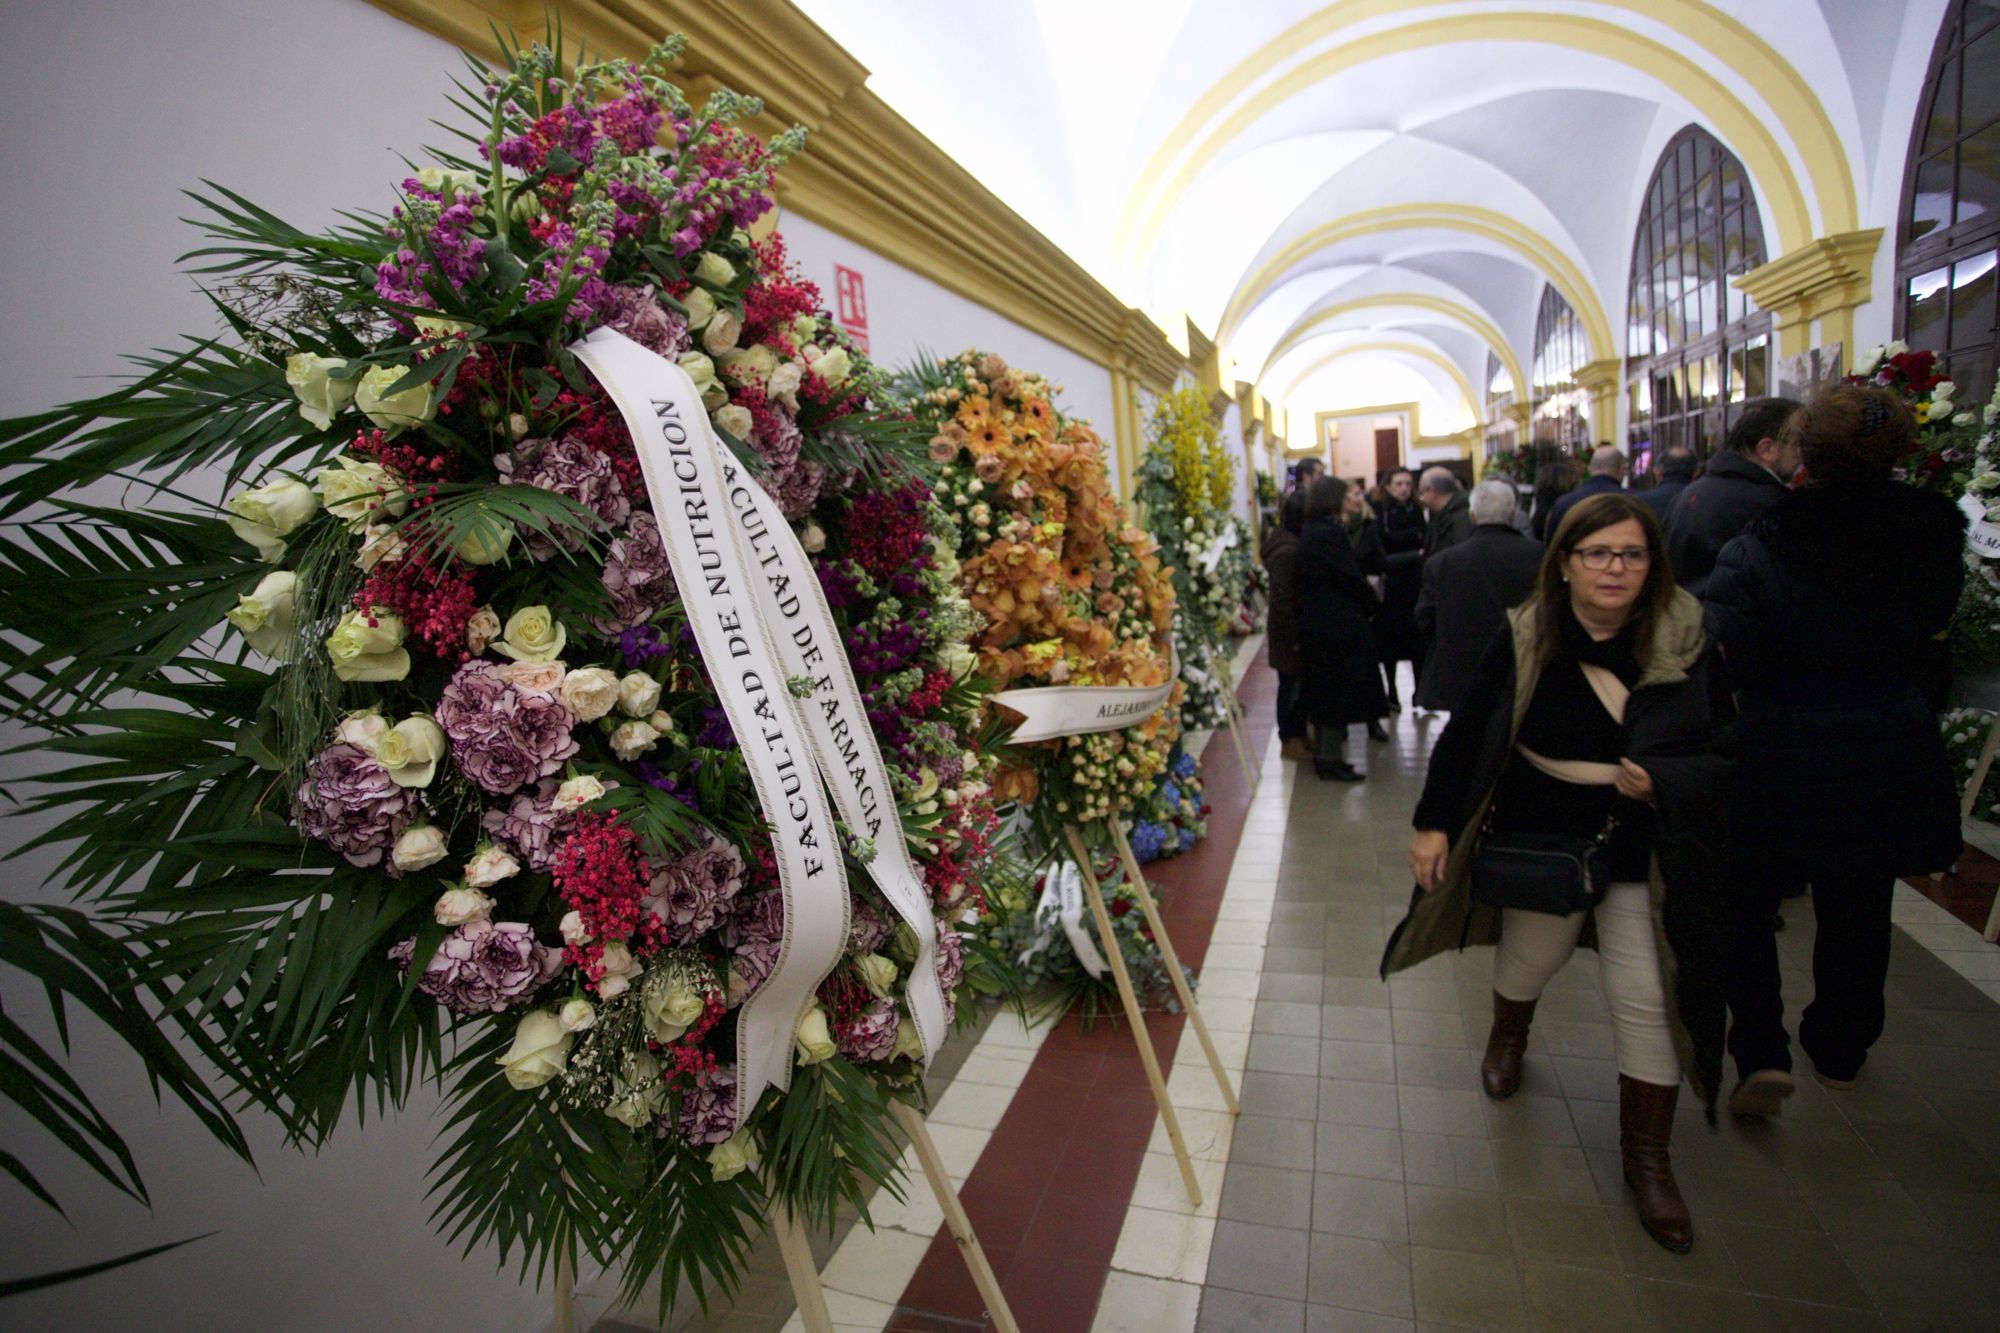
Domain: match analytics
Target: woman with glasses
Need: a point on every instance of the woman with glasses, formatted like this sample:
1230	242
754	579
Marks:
1594	729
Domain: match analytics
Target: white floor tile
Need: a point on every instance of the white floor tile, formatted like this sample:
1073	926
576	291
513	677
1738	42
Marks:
1228	1015
1244	957
875	1264
851	1314
1160	1185
1003	1069
1236	932
1192	1087
959	1147
1136	1304
1206	1133
1229	983
973	1105
1168	1245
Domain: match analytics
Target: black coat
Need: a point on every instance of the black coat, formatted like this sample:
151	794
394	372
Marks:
1825	608
1591	486
1679	728
1337	646
1281	560
1660	499
1468	591
1400	528
1449	526
1714	511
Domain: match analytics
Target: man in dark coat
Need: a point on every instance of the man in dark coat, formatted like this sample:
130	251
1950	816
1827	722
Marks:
1468	591
1748	477
1281	558
1337	645
1607	474
1450	523
1676	473
1400	525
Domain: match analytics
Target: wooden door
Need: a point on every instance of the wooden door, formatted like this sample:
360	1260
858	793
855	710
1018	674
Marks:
1388	449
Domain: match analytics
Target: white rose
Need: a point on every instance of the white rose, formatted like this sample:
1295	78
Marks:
638	694
482	629
908	1045
722	332
534	677
265	515
834	367
713	268
410	750
576	1015
356	490
320	396
637	1094
783	385
669	1011
571	928
486	541
532	634
958	659
813	538
734	1155
620	968
1941	393
877	972
437	329
813	1041
455	907
590	692
490	865
397	411
420	845
539	1052
700	307
632	739
379	542
363	729
578	792
735	420
265	614
698	367
371	652
448	182
1896	347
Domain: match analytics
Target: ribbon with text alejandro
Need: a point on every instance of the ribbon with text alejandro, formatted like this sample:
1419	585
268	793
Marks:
1048	711
719	590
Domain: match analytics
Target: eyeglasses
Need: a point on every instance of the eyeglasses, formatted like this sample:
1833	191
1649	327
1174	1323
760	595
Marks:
1599	558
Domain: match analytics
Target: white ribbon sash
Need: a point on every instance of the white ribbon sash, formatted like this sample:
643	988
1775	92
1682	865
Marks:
1981	535
1079	710
1062	905
684	476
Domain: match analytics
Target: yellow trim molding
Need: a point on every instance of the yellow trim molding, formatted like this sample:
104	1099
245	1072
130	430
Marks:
1536	250
1260	84
1463	315
1421	353
1822	281
1604	380
866	174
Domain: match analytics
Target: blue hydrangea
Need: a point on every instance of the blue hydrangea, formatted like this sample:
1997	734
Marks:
1188	838
1148	840
1170	792
1184	766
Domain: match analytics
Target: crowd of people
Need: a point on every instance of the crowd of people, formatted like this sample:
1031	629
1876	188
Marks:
1668	710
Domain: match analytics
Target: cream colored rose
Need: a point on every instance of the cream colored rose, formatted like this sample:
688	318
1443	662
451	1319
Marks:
1868	362
486	541
700	307
1895	347
264	614
358	491
368	646
482	629
749	365
590	692
363	729
436	328
713	268
908	1044
410	750
638	694
320	396
571	928
539	1052
419	846
379	542
393	411
265	515
877	973
621	969
576	1015
532	634
734	1155
637	1094
734	419
813	1041
722	332
578	792
669	1011
489	865
448	182
632	739
834	367
698	367
534	677
783	384
457	906
813	537
958	659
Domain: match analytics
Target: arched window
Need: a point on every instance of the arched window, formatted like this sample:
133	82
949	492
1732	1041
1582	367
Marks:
1499	400
1949	236
1560	404
1696	348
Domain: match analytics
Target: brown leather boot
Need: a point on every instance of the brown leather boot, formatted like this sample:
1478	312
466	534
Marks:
1645	1123
1500	1069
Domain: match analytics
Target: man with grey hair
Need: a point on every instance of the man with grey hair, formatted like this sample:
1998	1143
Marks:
1607	474
1467	592
1450	520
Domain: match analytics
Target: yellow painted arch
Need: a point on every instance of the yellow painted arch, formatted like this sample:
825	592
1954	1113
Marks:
1253	91
1430	354
1540	253
1456	312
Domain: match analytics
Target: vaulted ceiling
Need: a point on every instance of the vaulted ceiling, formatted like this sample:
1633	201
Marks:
1371	194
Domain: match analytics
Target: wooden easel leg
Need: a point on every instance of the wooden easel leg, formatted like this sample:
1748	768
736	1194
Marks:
1134	1015
1172	960
1981	769
801	1269
565	1289
955	1218
1239	732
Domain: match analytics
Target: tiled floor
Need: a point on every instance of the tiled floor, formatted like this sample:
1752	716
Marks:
1372	1185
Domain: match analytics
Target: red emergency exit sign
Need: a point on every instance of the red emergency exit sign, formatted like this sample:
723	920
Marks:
851	304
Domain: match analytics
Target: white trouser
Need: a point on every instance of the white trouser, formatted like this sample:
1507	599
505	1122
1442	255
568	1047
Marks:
1534	944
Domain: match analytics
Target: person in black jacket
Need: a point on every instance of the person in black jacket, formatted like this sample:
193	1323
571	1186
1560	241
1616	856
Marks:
1337	646
1676	474
1468	591
1399	520
1603	713
1748	477
1607	477
1365	535
1825	607
1281	640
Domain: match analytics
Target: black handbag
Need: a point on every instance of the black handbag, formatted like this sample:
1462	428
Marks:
1557	873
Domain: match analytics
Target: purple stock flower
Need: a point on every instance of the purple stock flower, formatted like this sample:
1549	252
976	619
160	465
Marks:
446	234
640	645
348	802
708	1112
636	576
531	827
715	732
694	891
638	313
571	468
871	1034
483	968
503	737
653	776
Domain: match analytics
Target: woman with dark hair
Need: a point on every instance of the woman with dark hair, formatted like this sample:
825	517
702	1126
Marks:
1357	519
1825	606
1281	559
1400	522
1342	686
1599	721
1553	480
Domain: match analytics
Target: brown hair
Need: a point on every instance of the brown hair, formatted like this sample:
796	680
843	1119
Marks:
1325	496
1851	432
1595	514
